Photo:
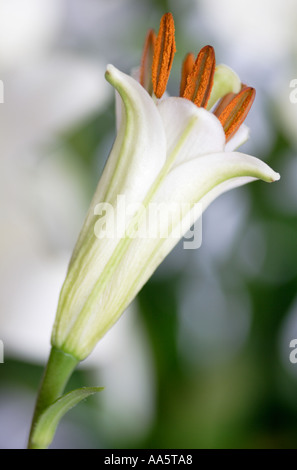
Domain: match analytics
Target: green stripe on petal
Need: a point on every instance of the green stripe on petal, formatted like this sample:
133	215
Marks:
205	136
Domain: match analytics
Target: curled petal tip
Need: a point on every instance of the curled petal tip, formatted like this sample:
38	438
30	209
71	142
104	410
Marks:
267	174
275	177
110	69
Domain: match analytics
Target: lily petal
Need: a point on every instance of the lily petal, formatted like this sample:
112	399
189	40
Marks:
193	179
138	154
140	146
190	131
199	180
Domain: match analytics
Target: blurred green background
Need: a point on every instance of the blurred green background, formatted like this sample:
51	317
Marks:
201	359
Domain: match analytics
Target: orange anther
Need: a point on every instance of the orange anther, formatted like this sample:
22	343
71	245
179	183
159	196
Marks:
200	80
145	77
223	103
163	55
187	68
233	112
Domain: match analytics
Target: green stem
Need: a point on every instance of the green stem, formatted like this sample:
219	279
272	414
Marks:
56	375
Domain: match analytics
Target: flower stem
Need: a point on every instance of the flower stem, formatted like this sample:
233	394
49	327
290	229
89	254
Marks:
56	375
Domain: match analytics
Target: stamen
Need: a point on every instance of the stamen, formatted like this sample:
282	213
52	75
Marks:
223	103
233	111
187	68
163	55
145	77
200	80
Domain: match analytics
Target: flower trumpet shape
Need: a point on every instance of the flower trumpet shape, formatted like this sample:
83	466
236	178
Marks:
172	152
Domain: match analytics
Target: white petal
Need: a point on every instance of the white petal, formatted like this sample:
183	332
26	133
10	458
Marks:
137	157
139	151
198	180
192	180
202	180
140	148
192	130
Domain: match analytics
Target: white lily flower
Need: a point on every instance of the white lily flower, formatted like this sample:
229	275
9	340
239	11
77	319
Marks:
170	151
